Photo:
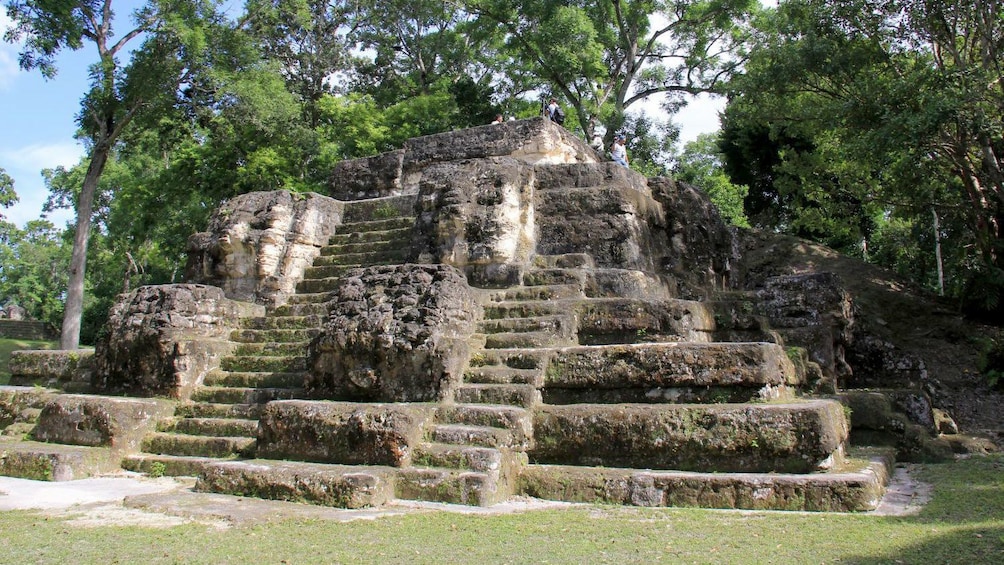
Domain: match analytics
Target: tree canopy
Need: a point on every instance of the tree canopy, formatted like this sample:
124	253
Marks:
874	127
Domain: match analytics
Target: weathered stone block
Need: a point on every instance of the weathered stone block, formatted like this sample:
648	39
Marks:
697	248
54	462
99	421
259	244
477	216
670	365
162	340
859	486
615	224
342	432
327	485
394	334
369	177
531	141
791	438
16	402
815	312
625	320
50	367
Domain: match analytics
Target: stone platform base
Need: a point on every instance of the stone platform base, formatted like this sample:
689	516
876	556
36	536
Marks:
857	486
54	462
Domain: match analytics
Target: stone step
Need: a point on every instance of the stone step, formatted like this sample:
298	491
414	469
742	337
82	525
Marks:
317	310
755	366
525	309
318	279
555	276
376	225
340	486
479	436
310	298
515	358
448	485
165	443
167	465
40	461
602	176
858	486
271	349
275	335
664	395
396	253
507	394
244	395
402	206
373	246
564	261
528	340
265	364
17	430
255	379
213	410
540	292
274	321
396	234
452	456
220	427
516	420
560	324
504	375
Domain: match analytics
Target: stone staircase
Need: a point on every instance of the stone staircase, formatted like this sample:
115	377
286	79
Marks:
221	420
588	379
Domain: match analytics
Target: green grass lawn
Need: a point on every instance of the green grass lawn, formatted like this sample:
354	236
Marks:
964	523
8	345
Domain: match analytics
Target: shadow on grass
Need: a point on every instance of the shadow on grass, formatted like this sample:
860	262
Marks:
965	518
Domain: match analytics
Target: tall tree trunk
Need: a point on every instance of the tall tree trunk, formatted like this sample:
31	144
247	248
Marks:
937	253
72	314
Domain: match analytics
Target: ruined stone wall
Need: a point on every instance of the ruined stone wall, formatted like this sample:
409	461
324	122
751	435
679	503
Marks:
400	172
162	340
394	334
258	244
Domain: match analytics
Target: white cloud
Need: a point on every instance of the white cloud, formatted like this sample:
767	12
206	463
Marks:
699	116
25	165
36	157
8	54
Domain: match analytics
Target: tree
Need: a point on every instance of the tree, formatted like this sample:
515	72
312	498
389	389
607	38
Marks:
876	110
605	57
7	195
33	267
117	92
701	165
309	39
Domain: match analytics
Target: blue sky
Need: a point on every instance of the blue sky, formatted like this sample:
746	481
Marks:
37	123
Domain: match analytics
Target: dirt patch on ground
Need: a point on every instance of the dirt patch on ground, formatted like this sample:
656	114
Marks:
917	322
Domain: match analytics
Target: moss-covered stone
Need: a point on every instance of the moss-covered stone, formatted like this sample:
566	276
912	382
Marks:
342	432
792	438
858	486
115	422
51	368
670	365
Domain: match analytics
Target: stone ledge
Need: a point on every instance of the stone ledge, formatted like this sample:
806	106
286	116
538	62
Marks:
54	462
327	485
798	437
50	367
670	365
858	488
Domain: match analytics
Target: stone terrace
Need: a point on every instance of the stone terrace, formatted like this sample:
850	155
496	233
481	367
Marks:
482	314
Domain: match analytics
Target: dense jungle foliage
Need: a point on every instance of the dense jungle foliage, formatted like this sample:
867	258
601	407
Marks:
873	127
